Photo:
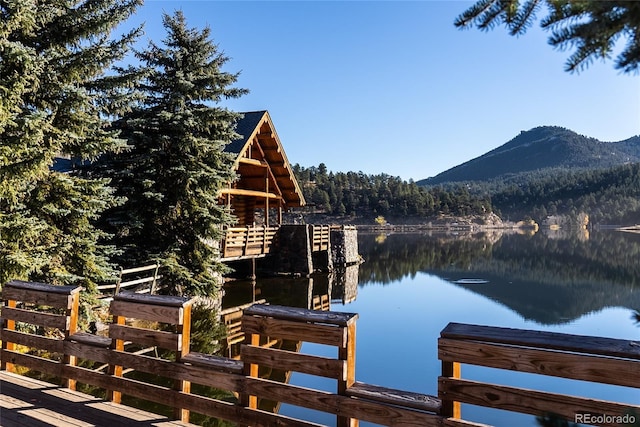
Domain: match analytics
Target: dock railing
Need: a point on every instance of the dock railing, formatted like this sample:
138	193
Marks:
587	358
41	317
40	332
247	242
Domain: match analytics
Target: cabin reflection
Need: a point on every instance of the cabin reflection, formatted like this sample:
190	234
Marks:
316	293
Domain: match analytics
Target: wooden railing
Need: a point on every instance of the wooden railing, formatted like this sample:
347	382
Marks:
243	242
320	237
593	359
32	312
144	280
254	242
24	306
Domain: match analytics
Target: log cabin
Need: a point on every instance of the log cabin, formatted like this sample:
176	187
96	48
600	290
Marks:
265	178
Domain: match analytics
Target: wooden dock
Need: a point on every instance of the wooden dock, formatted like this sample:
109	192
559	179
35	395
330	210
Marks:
27	402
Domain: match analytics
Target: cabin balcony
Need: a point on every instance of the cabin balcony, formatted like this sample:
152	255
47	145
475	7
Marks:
247	242
302	248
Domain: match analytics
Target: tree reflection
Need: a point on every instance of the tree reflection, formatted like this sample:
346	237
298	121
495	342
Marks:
550	280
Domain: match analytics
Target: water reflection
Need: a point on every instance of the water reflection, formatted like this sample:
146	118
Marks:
314	293
550	279
547	279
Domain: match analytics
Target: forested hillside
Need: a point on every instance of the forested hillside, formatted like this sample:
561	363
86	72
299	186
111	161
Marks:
607	196
610	195
554	171
357	194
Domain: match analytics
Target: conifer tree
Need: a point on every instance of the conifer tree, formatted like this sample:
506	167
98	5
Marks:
591	28
175	166
56	99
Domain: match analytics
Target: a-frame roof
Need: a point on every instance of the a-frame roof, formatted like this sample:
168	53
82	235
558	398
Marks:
260	141
246	128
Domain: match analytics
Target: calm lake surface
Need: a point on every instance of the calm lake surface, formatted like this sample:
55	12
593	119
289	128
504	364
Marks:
409	288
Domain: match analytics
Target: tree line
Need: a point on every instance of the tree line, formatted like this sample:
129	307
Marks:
609	196
355	194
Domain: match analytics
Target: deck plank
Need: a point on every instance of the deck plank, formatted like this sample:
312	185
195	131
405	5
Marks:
27	402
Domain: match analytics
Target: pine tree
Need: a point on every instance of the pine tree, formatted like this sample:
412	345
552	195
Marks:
175	167
56	99
591	28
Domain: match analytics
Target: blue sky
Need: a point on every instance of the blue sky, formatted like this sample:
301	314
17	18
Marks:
392	87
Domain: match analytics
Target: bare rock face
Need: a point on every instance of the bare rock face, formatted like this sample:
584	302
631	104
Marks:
493	220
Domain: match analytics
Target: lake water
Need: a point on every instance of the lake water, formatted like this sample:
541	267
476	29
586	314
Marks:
409	288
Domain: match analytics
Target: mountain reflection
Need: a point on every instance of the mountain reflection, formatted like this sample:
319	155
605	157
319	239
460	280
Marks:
547	279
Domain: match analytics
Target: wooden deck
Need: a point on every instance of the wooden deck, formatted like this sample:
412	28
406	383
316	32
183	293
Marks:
27	402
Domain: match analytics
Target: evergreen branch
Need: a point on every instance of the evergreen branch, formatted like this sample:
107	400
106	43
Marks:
470	16
592	28
525	17
488	19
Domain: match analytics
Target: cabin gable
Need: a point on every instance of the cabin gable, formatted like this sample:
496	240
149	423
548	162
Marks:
265	178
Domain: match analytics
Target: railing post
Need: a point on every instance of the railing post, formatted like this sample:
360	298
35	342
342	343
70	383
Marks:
118	282
246	241
9	324
116	370
184	329
154	284
223	243
264	240
450	408
347	352
72	327
251	370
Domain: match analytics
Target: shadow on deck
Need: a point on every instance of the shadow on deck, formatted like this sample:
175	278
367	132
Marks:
27	402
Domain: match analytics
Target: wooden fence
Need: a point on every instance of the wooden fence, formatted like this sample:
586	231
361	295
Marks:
144	280
253	242
39	332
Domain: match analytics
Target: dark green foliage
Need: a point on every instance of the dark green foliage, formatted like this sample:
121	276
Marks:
357	194
609	196
591	28
175	165
55	99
